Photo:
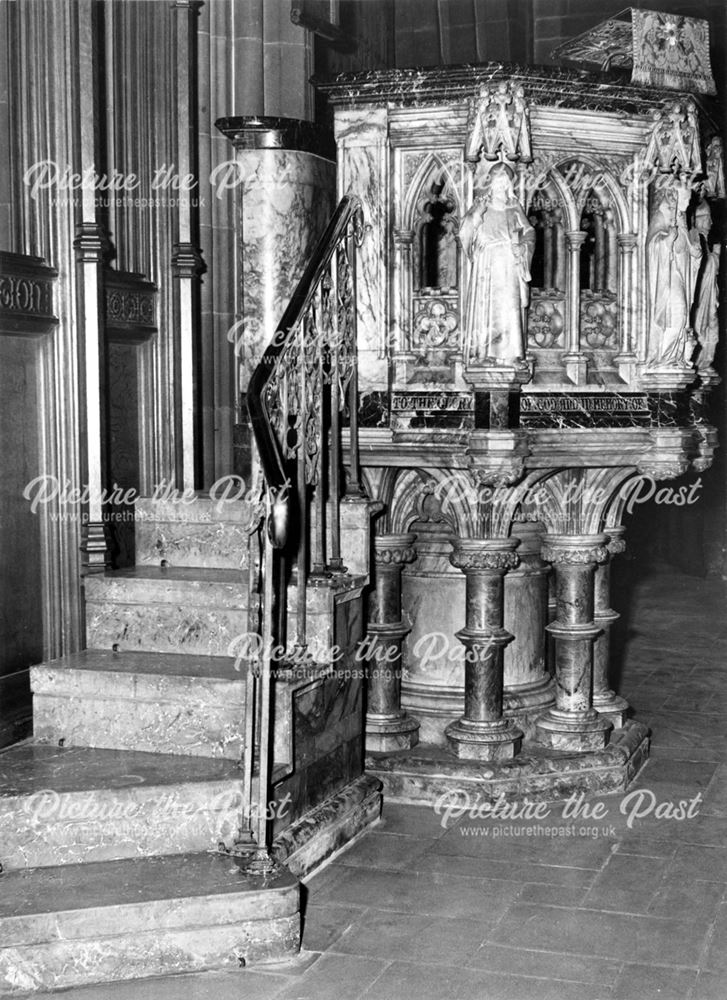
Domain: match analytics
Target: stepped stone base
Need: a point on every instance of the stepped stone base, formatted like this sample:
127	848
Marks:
329	827
199	533
122	920
183	610
156	702
423	775
66	806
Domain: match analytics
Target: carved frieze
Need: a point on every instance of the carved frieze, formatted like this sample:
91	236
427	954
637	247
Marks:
26	292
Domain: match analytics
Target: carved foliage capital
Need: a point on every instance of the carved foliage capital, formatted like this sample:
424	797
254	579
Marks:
575	550
493	554
394	550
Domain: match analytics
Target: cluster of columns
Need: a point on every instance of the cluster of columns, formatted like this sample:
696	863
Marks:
585	709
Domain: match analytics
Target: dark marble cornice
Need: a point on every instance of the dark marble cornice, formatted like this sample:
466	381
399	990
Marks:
266	132
545	85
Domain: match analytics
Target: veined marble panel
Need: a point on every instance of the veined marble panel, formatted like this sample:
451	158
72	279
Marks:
286	202
128	701
189	611
363	169
66	806
129	919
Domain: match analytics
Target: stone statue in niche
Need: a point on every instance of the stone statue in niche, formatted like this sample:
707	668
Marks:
498	240
672	260
705	321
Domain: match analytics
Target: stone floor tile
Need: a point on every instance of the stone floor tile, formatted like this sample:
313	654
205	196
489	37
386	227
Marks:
484	867
707	864
244	984
412	981
607	935
498	986
552	895
715	798
715	959
325	923
694	900
709	986
542	964
384	850
414	937
650	982
434	893
333	977
412	821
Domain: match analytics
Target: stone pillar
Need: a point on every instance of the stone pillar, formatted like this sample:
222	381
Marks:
605	701
575	361
388	727
528	686
482	733
574	724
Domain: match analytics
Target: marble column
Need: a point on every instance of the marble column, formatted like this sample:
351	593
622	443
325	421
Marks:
606	702
482	733
388	727
285	177
575	361
626	357
573	724
528	685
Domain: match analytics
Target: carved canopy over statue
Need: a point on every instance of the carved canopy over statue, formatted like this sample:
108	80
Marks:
498	240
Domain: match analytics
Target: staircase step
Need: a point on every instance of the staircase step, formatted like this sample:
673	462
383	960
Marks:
62	806
166	610
168	703
124	920
203	532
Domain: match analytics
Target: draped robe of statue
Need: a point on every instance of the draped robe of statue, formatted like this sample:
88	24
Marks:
705	320
672	261
499	241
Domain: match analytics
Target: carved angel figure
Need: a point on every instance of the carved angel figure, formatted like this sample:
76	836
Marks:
499	242
672	260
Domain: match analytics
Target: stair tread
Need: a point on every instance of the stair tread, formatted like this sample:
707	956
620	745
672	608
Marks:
30	768
130	881
166	664
193	574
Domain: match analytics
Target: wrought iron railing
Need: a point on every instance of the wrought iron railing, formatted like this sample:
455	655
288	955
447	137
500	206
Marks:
299	397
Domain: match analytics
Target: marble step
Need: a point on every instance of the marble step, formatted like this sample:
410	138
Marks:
166	610
63	806
129	919
200	532
170	703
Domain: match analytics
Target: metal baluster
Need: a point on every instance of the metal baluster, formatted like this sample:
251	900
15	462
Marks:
319	489
264	689
355	486
302	446
335	563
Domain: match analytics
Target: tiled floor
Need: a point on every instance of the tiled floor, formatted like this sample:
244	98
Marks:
489	911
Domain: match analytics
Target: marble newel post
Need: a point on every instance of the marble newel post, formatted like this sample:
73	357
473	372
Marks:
388	727
573	724
605	701
482	733
284	175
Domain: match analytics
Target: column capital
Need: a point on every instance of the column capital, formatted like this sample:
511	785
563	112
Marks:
494	554
394	550
575	238
571	550
627	241
616	543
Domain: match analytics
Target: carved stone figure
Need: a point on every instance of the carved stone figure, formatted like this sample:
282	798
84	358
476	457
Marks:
672	260
498	240
705	321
